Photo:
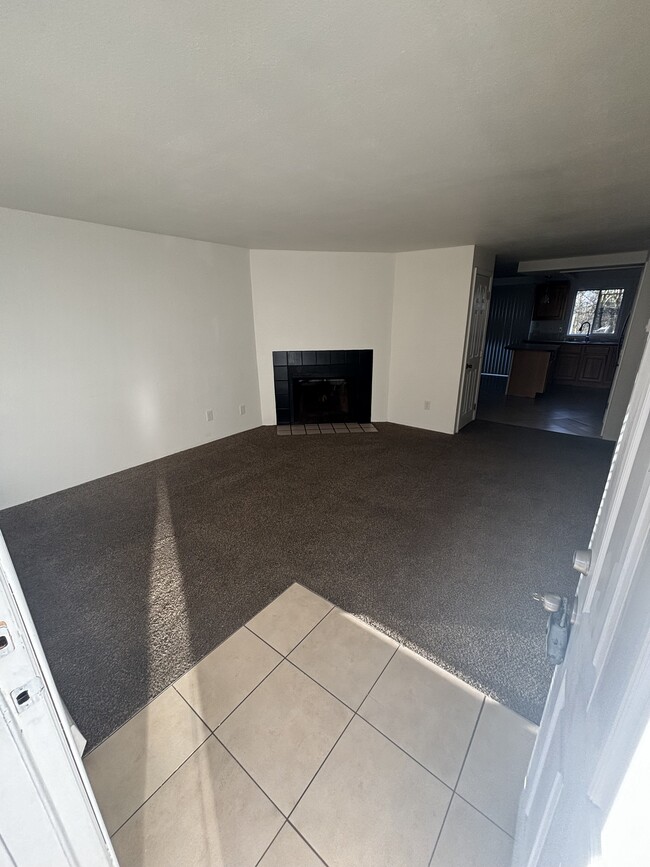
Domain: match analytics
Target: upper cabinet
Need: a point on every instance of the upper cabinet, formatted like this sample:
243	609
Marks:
551	300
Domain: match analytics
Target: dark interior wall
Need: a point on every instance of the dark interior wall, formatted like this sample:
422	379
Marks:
609	278
510	311
512	305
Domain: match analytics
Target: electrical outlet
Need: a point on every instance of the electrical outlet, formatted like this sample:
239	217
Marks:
427	404
242	409
209	415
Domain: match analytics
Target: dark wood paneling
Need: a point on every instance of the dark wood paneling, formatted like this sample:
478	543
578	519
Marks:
511	308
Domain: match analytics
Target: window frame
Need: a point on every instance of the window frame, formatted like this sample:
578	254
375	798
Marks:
608	336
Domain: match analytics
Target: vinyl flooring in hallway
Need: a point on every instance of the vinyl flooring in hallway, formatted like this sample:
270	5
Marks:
561	409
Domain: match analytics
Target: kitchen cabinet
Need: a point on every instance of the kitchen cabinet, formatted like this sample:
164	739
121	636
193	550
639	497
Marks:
551	300
590	365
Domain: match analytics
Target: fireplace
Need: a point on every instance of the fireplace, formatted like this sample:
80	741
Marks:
321	399
323	386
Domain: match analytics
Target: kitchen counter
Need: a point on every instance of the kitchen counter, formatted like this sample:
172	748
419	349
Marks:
528	346
572	342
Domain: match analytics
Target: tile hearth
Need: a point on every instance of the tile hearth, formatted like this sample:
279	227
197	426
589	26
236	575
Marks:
334	428
309	737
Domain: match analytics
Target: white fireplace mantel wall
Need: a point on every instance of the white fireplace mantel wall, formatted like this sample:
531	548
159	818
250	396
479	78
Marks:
409	308
305	300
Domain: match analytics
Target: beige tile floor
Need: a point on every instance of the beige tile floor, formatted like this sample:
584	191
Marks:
310	738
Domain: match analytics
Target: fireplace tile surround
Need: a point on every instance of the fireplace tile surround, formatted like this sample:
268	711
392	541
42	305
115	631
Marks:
346	375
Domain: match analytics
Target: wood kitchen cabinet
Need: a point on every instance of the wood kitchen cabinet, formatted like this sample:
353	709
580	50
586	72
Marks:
586	364
551	300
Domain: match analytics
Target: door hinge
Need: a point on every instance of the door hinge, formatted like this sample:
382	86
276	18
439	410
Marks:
6	643
24	696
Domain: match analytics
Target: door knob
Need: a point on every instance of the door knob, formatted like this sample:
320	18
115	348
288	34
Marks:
582	560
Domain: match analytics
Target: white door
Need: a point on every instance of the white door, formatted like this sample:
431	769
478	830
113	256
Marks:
49	815
479	307
599	702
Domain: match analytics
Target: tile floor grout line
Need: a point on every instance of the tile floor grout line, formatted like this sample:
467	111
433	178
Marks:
354	714
439	834
318	770
181	676
406	753
248	774
172	685
149	797
469	745
306	673
286	655
192	708
302	837
263	640
279	596
374	683
248	695
213	731
275	837
313	679
327	614
460	772
485	816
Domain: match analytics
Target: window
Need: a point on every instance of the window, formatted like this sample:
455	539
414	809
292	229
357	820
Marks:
596	308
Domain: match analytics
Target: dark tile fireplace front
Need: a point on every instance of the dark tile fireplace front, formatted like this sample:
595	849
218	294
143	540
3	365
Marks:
320	386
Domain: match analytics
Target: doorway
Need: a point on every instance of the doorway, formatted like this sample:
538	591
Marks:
552	347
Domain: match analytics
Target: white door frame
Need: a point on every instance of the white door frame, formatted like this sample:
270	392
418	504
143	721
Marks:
476	273
49	814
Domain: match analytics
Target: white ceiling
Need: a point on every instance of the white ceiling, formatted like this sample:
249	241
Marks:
522	125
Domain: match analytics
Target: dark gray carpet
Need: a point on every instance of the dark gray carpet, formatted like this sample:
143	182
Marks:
440	540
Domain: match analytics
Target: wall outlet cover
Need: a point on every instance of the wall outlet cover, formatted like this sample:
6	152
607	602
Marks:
209	415
427	404
242	409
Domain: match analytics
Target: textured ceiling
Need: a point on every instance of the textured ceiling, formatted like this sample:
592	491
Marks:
522	125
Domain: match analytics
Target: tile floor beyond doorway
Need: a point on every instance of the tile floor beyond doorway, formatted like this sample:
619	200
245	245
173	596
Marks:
306	738
561	409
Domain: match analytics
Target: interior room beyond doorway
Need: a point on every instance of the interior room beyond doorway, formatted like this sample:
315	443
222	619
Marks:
552	348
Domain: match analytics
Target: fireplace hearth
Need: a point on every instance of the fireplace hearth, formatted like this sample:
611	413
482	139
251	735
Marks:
323	386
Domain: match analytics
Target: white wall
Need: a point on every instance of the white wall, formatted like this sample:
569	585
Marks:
430	307
113	344
635	341
308	300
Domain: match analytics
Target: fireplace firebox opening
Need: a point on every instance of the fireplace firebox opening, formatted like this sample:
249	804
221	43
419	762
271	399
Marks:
321	399
322	386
